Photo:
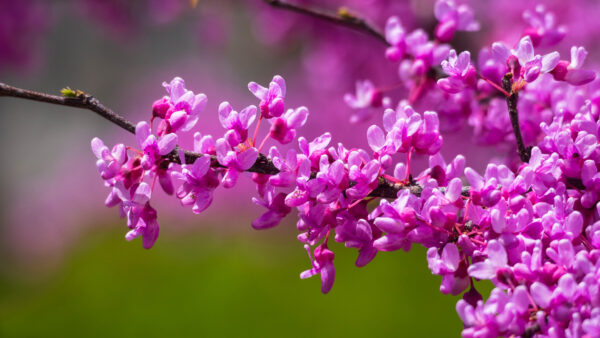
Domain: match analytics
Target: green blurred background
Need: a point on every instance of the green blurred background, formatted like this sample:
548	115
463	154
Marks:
219	284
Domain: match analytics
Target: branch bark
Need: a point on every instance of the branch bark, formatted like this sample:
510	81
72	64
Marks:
263	165
531	330
343	17
511	101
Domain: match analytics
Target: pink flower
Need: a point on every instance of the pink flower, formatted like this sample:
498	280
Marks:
236	160
494	267
283	129
154	150
395	36
571	72
272	98
366	100
199	182
236	122
276	211
109	162
322	264
462	73
180	110
523	62
453	18
542	28
447	265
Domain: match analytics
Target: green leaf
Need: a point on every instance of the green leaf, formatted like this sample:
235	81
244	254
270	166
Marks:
68	92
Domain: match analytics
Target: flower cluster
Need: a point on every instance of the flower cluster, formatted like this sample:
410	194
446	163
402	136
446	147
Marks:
453	18
539	230
540	81
131	173
532	229
418	56
541	27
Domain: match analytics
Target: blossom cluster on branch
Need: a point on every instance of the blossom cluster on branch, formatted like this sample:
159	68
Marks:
533	231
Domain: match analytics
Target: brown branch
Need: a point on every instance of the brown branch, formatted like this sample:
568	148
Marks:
531	330
513	113
263	165
343	17
81	100
387	189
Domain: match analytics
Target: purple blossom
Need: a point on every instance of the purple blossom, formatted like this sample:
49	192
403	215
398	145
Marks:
154	150
523	62
199	182
302	191
146	226
180	110
442	172
494	267
204	144
283	129
425	53
236	122
447	265
365	101
462	74
313	150
276	211
357	234
396	219
453	18
501	315
288	167
491	68
406	130
542	27
235	160
322	264
483	191
272	98
395	35
329	181
571	72
109	162
364	174
141	217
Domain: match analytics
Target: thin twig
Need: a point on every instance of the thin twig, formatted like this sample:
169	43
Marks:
263	165
342	17
511	101
346	18
82	100
531	330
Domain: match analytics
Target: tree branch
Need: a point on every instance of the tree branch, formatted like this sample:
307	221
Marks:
342	17
511	101
263	165
80	100
531	330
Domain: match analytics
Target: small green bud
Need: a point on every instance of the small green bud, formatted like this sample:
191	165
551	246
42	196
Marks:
68	92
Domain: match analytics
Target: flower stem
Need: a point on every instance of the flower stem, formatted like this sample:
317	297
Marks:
511	102
493	84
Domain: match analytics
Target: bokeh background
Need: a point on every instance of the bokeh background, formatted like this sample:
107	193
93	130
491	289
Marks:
65	269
